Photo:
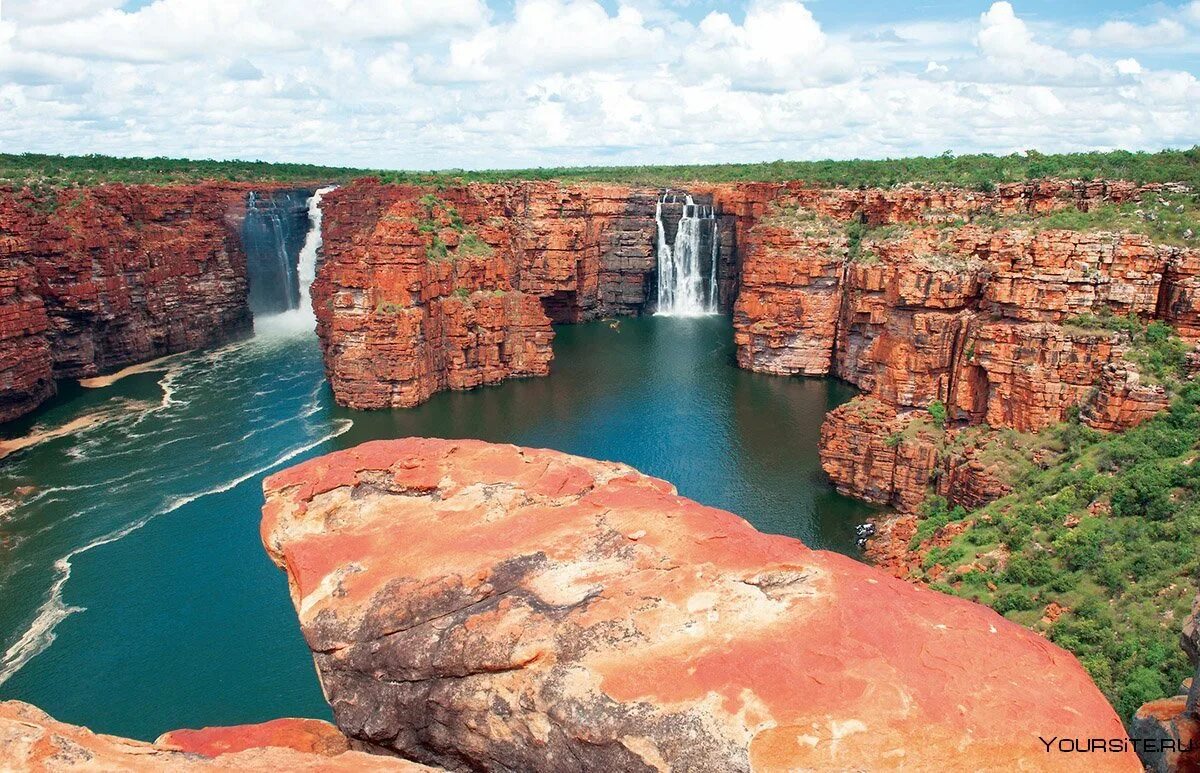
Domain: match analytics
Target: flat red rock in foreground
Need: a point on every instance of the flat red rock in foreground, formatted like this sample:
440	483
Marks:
31	740
489	606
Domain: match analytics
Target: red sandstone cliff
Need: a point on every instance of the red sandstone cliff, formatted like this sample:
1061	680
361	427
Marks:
93	279
977	319
422	290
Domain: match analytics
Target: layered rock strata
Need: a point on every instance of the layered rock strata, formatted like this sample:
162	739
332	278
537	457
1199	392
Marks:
422	290
988	326
932	309
94	279
31	740
490	607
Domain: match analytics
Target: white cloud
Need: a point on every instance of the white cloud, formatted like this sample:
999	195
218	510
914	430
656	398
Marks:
170	30
778	46
549	36
1009	46
1191	12
418	84
40	11
1123	34
1129	67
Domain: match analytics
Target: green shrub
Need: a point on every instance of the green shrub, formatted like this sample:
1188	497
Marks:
937	409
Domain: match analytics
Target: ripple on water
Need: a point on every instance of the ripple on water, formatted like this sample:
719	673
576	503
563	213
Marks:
155	450
662	395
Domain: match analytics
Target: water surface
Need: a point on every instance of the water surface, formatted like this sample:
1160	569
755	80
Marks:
136	596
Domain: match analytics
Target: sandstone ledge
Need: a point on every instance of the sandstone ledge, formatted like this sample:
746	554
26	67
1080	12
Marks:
476	605
31	740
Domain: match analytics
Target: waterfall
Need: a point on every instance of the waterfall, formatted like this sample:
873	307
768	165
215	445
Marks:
301	316
307	265
685	288
272	234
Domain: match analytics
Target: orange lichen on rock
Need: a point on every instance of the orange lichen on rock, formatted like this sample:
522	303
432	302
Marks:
483	605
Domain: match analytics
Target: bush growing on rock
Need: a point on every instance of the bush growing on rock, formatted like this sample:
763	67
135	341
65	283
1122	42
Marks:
1109	530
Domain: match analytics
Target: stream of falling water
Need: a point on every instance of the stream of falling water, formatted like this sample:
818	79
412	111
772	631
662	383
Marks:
686	287
130	419
301	317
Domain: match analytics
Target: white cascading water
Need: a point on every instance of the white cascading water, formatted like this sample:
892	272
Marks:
302	317
683	288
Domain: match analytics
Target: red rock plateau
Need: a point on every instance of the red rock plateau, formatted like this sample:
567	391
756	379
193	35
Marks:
489	607
30	740
94	279
926	310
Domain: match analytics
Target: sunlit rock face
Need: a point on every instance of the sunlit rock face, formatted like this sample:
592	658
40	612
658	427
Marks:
94	279
485	606
31	740
422	290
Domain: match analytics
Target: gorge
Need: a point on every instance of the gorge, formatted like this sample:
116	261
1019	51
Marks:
964	318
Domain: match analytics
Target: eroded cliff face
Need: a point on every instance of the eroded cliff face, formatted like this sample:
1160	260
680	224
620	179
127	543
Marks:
927	310
497	608
94	279
31	740
422	290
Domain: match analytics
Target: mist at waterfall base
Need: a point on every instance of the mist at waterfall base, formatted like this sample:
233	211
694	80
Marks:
138	597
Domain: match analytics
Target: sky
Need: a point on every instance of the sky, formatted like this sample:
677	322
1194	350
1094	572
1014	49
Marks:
436	84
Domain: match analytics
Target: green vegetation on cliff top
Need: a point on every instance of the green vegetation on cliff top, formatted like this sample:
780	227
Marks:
1105	526
981	171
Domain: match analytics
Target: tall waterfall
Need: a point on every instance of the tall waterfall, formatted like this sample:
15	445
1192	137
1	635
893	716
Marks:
272	234
687	273
307	265
301	317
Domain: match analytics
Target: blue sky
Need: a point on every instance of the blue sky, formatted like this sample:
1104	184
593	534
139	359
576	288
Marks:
503	83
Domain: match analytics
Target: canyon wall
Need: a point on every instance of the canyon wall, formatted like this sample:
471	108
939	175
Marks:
899	294
424	289
94	279
495	608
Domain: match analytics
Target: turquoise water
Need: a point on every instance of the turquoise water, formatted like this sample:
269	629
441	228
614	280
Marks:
136	594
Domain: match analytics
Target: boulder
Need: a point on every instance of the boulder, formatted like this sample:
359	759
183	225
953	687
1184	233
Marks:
484	606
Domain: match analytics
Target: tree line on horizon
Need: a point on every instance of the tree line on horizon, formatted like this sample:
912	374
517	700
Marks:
975	171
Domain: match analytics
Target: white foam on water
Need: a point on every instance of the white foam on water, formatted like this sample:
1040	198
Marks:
41	633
